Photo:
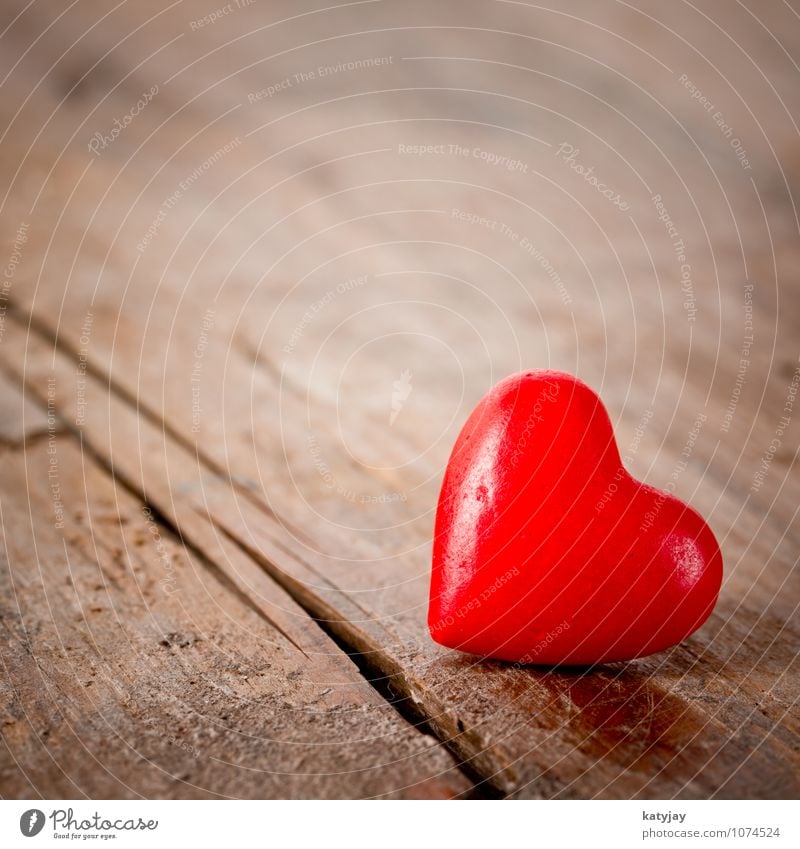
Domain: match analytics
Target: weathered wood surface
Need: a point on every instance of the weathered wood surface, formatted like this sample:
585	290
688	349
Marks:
130	669
235	367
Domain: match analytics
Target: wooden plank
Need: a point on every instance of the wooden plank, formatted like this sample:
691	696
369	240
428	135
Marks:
296	411
673	716
130	669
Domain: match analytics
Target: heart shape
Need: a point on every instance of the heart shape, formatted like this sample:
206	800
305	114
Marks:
547	551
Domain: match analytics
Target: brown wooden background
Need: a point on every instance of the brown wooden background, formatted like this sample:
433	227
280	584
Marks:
215	543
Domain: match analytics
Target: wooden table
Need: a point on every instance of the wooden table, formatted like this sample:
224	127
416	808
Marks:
260	261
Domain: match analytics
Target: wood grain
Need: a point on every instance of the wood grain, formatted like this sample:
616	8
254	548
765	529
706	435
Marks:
20	418
226	293
132	669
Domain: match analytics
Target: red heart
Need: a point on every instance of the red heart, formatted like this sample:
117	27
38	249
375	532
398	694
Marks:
547	551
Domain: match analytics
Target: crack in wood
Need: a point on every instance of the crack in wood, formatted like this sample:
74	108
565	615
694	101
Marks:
160	519
151	415
376	666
